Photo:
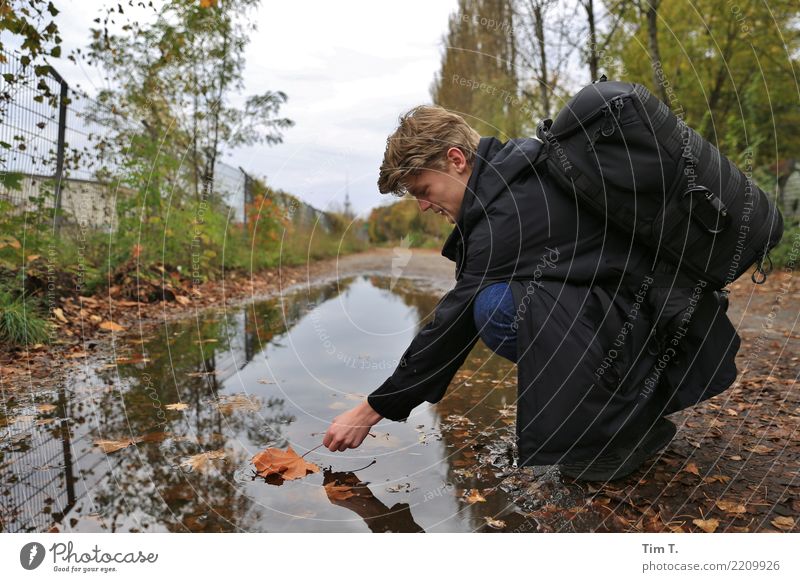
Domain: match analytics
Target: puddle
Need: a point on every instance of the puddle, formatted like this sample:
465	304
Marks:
161	438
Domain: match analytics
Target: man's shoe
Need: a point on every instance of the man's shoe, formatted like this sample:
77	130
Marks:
624	460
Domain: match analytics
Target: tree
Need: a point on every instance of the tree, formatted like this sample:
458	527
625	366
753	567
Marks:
478	77
178	74
729	70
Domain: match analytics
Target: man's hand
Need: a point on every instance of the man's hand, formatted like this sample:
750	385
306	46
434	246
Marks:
349	429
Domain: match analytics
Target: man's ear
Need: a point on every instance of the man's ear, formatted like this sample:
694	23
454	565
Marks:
458	159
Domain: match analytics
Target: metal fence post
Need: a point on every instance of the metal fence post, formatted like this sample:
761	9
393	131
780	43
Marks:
246	194
62	129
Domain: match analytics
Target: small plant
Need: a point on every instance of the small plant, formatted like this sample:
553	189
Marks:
19	324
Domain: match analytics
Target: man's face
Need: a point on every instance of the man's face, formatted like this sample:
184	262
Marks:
442	191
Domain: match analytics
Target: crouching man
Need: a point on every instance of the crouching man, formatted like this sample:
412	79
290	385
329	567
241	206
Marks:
550	286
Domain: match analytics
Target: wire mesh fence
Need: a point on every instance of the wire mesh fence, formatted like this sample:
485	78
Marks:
60	151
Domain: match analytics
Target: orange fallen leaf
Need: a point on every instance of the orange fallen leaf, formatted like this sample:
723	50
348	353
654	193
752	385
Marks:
111	326
707	525
474	496
287	464
692	468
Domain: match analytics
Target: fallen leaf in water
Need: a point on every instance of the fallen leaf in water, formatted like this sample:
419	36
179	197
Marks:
707	525
338	492
202	461
287	464
783	522
405	487
111	326
474	496
177	406
110	446
495	523
730	506
229	403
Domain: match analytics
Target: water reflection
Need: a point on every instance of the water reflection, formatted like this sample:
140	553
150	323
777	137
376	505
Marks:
188	406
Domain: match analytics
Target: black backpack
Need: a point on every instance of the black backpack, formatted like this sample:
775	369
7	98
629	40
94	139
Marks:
621	151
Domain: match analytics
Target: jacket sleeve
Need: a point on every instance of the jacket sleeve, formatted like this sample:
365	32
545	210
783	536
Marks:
435	354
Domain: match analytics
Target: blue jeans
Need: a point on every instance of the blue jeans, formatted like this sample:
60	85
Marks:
494	313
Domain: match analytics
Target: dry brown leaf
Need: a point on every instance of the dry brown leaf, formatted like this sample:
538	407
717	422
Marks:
495	523
474	496
692	468
715	478
177	406
287	464
46	407
111	326
229	403
759	449
182	299
707	525
133	360
785	523
59	313
110	446
730	506
202	461
338	492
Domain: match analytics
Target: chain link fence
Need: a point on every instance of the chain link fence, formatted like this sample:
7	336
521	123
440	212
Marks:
58	153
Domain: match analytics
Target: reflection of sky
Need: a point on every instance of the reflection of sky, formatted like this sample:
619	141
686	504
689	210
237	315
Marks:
312	385
328	355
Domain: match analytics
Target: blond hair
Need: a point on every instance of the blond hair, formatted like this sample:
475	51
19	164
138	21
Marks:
420	142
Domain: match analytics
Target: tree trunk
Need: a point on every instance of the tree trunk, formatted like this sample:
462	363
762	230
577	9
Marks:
655	54
543	74
588	5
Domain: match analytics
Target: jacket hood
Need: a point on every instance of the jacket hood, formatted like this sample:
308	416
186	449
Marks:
496	165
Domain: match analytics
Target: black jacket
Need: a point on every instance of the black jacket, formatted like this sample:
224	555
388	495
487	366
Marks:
599	343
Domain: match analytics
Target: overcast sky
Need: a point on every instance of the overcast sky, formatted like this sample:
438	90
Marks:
349	70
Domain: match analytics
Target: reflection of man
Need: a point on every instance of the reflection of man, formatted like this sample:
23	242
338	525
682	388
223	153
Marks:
545	284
